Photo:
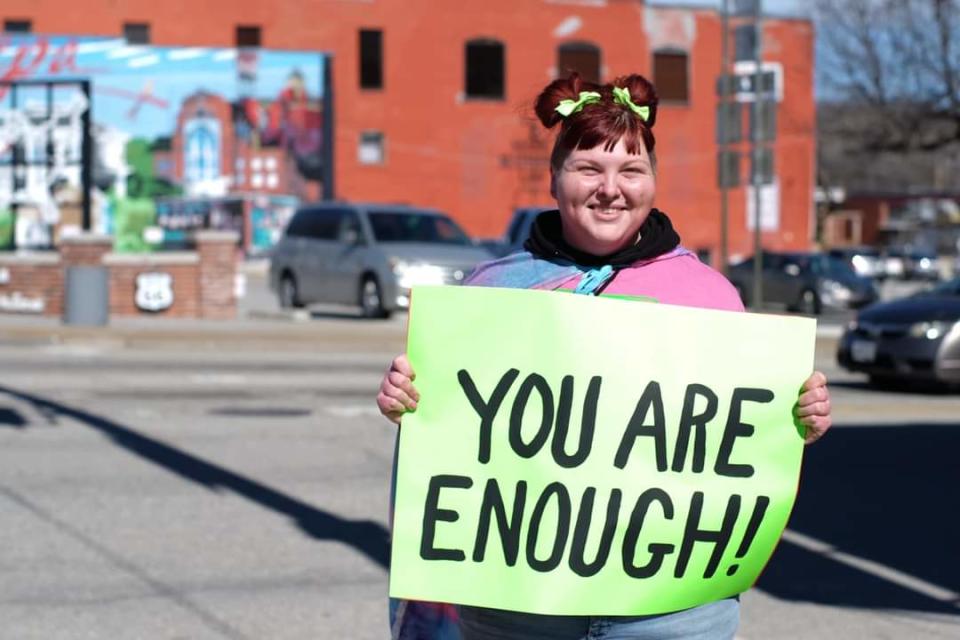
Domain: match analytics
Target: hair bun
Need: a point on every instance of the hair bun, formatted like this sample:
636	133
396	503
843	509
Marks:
568	88
642	92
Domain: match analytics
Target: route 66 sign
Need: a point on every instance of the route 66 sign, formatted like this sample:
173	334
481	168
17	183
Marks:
154	291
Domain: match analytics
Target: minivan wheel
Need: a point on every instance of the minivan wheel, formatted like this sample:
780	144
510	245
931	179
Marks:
371	299
809	302
287	293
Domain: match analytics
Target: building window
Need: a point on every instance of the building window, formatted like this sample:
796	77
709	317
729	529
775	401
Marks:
670	76
371	59
248	36
17	26
582	57
370	148
484	69
136	32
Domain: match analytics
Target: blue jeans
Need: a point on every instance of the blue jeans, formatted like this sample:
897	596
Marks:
713	621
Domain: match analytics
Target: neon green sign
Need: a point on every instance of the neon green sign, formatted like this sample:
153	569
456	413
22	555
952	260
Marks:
586	456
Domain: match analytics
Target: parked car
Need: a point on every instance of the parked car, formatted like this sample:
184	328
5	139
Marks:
368	254
917	337
906	263
805	282
865	261
518	230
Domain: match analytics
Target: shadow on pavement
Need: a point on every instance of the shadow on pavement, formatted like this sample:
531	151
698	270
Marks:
368	537
885	494
11	418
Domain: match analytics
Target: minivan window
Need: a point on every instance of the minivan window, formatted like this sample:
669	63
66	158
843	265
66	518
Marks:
322	224
389	226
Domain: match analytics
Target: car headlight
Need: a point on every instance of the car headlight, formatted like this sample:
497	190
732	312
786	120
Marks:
832	288
929	330
411	275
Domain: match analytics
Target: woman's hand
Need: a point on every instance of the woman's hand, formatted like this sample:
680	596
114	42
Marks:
813	407
397	394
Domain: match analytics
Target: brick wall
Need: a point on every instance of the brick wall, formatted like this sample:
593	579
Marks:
202	281
31	279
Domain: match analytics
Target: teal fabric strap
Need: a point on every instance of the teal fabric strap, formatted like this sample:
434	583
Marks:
593	279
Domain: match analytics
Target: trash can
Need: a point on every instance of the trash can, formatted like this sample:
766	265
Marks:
86	296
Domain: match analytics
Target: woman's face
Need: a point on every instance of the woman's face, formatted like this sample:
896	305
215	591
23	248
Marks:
604	197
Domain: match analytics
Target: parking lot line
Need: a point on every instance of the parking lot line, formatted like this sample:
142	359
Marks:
873	568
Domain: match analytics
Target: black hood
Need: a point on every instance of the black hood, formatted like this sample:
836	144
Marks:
921	308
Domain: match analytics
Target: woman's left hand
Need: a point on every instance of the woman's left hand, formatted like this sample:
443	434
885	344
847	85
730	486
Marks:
813	407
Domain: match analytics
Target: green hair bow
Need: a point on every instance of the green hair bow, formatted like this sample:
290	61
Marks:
569	107
622	96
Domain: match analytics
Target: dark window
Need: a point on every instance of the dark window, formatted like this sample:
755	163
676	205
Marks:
670	76
484	69
582	57
324	224
371	59
248	36
318	224
349	227
416	227
136	32
17	26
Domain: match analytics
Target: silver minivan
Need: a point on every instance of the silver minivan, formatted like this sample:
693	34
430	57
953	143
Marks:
368	255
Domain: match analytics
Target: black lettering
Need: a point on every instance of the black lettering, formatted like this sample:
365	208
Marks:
657	550
587	423
433	513
735	429
563	528
635	428
688	420
693	534
578	563
509	529
522	449
486	410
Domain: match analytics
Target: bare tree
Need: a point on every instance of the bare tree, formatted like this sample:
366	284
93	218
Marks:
896	64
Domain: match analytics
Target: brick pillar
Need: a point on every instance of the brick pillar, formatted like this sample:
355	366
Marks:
84	249
217	273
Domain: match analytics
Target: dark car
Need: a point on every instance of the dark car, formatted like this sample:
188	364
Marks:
518	230
865	261
912	338
805	282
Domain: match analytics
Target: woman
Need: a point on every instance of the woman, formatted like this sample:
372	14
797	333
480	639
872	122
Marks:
608	238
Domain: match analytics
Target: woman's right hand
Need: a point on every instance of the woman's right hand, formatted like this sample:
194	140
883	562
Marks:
397	394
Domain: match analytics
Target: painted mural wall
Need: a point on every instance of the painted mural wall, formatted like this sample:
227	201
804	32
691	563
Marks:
181	139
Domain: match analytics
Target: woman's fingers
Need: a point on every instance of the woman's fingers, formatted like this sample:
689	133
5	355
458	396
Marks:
397	395
813	407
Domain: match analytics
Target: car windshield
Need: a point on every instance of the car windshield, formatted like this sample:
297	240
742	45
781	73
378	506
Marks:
416	227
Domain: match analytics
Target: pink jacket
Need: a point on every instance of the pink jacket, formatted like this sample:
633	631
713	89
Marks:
676	278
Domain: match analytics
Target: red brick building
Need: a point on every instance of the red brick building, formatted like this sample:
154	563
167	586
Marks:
432	97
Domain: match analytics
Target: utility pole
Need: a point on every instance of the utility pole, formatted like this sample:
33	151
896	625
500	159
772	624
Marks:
756	177
722	136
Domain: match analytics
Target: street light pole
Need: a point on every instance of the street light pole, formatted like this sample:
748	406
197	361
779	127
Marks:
722	130
755	148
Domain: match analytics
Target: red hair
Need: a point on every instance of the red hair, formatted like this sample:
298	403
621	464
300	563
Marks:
600	123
